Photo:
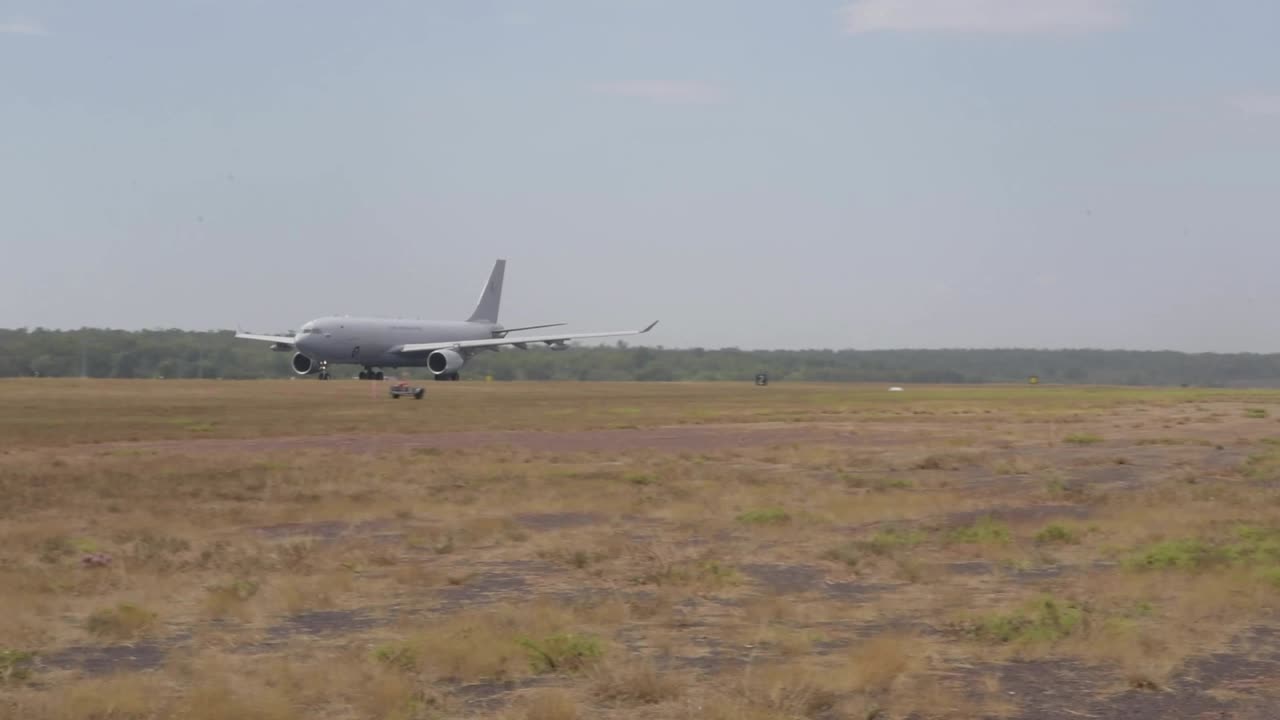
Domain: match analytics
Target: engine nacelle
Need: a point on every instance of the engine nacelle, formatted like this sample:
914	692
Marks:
303	365
441	362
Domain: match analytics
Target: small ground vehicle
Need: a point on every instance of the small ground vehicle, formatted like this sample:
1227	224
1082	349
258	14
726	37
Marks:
406	389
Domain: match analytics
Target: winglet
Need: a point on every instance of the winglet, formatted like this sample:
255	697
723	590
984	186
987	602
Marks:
652	325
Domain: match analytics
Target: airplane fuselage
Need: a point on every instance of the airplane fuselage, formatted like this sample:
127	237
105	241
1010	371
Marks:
369	341
441	346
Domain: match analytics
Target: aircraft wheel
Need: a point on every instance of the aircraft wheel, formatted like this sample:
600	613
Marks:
377	375
364	375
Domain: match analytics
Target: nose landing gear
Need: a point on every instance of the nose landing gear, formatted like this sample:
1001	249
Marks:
324	371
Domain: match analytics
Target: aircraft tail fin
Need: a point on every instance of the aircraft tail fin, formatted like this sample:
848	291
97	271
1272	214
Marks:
491	297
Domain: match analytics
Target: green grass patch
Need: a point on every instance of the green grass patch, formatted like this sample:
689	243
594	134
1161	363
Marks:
1186	554
884	543
766	516
986	531
1044	620
399	655
1264	465
1271	576
879	484
562	653
1057	534
1082	439
1256	413
707	574
15	665
1249	546
1175	441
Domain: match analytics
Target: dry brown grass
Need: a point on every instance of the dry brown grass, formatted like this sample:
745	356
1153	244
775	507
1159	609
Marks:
408	583
636	682
548	704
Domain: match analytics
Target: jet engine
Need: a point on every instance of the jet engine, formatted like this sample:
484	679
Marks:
442	362
303	365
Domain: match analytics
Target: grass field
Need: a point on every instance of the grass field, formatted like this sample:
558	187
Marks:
292	549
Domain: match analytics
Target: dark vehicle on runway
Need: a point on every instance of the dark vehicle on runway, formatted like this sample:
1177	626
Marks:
406	389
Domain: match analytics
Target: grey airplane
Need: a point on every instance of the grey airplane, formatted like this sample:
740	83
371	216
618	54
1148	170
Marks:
442	347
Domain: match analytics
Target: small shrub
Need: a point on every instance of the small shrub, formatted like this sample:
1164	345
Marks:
791	690
123	622
767	516
849	553
912	571
1082	439
938	462
638	683
986	531
717	573
158	551
1045	620
230	597
1056	533
562	653
400	656
15	665
1070	491
55	549
1256	413
294	555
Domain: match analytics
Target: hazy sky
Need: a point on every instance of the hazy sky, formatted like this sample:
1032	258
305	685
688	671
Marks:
759	173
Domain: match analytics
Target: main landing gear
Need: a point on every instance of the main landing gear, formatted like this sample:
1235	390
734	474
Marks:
370	374
448	376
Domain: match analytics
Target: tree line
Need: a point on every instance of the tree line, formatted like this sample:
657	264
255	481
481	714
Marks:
217	354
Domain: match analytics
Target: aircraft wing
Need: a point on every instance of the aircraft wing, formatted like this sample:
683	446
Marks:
521	342
277	339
